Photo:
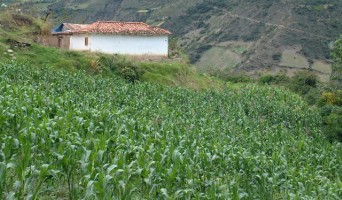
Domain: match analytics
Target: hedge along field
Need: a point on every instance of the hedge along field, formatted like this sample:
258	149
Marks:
77	136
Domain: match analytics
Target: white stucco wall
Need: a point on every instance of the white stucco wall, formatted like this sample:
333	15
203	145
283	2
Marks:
77	42
129	44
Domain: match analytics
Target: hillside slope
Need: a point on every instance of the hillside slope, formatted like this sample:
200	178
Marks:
253	36
18	42
78	136
270	35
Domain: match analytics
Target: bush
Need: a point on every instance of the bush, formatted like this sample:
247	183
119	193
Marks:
331	112
326	110
333	98
277	79
276	56
312	96
303	82
122	67
235	78
332	121
337	50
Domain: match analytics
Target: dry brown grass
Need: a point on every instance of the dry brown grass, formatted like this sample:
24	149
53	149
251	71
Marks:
290	58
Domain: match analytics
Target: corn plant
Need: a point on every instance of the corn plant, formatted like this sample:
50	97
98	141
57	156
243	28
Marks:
77	136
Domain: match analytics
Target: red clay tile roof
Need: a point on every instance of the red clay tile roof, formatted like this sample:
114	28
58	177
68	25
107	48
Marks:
110	27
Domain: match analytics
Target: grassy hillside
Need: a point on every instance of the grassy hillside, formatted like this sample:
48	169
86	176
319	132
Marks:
73	135
265	31
71	127
167	72
19	35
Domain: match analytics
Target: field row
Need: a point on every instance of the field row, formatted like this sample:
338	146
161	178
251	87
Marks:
73	135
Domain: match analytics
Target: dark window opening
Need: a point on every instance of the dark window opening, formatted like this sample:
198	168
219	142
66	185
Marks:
86	41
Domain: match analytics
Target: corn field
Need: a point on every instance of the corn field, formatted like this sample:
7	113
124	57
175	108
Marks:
78	136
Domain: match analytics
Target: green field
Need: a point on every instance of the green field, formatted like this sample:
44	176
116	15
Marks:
71	135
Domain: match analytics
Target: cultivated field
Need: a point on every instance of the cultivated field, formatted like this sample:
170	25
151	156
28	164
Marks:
219	58
70	135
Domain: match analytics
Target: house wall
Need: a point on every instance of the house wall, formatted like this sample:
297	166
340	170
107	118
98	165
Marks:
129	44
65	41
53	41
77	42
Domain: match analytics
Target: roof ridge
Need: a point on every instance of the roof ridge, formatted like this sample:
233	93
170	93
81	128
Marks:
120	22
74	23
117	27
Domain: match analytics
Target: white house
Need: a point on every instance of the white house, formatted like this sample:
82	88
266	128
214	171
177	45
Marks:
129	38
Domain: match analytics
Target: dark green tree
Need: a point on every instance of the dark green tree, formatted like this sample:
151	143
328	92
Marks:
337	50
337	67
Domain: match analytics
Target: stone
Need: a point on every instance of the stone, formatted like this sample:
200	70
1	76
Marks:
10	51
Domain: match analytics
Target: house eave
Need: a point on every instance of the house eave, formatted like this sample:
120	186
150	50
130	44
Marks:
62	33
97	33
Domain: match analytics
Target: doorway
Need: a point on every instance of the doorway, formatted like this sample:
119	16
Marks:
60	41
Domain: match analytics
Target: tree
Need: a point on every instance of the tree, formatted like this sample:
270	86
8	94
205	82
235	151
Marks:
337	67
337	50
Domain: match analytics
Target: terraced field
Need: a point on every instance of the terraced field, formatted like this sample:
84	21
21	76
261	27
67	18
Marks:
76	136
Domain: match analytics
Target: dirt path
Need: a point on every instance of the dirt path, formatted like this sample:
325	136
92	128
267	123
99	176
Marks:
280	26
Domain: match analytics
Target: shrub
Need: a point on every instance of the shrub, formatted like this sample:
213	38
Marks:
332	98
276	56
44	28
122	67
129	71
277	79
337	50
302	82
235	78
312	96
326	110
332	119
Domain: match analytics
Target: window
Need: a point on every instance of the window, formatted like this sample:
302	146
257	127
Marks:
86	41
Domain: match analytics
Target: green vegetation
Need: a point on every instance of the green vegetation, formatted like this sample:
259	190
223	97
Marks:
71	135
18	35
178	74
331	99
268	26
172	72
38	55
240	49
90	126
17	43
337	56
337	50
326	97
303	83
